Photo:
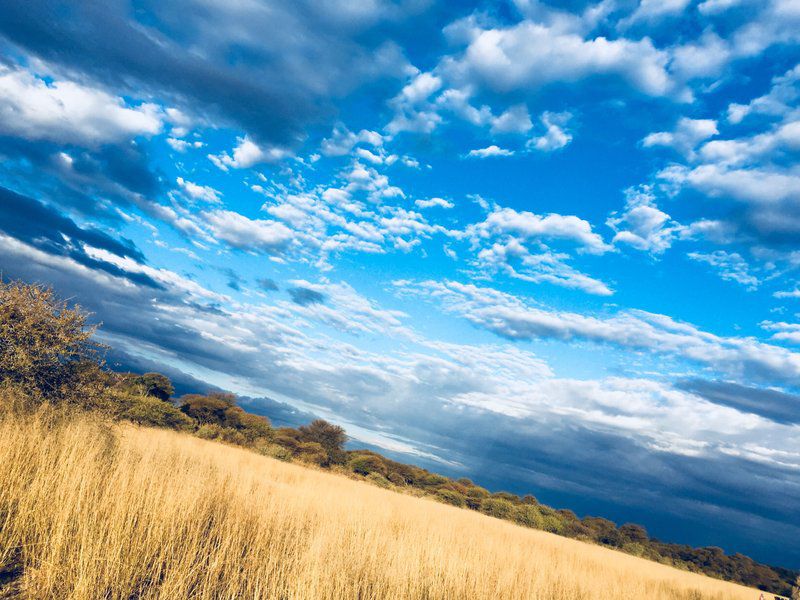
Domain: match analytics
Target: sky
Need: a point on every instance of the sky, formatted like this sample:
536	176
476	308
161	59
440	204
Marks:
550	247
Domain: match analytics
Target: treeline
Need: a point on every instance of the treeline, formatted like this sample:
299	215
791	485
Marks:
47	353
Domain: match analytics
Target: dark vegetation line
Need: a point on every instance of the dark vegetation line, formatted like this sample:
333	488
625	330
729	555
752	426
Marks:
47	354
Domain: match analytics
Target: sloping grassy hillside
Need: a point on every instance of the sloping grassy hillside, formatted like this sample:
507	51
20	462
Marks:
93	510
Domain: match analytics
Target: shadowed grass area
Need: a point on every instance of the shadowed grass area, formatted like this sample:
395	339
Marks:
90	509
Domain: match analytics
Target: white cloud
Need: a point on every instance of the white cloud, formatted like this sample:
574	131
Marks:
247	153
516	119
430	202
555	136
730	266
511	317
68	112
528	225
489	152
529	55
413	110
779	101
200	192
642	224
650	11
688	133
342	140
241	232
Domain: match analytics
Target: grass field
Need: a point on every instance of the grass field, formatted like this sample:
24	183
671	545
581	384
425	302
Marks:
92	511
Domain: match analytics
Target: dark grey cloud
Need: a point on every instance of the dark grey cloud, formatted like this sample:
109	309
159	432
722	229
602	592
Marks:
47	229
268	67
778	406
87	180
305	296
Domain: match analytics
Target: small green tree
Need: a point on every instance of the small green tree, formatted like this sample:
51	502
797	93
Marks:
156	385
208	409
329	436
46	347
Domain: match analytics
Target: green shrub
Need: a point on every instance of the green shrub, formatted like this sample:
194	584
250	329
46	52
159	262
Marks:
528	515
208	431
432	480
452	497
396	478
232	436
149	410
364	464
553	524
311	453
379	480
497	507
273	451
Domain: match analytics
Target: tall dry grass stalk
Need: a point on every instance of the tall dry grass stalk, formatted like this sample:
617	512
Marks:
91	511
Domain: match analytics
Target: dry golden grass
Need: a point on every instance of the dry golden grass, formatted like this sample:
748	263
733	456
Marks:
88	511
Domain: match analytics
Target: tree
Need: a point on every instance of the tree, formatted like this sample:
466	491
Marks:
796	589
208	409
634	533
46	348
156	385
331	437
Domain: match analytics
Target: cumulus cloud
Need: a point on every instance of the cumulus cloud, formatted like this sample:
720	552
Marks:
247	154
68	112
527	225
199	192
642	225
489	152
271	237
555	136
431	202
688	133
529	55
516	243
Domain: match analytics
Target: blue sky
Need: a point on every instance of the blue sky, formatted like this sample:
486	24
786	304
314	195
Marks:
550	247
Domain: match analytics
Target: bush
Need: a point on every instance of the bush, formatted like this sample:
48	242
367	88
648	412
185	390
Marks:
312	453
552	524
156	385
432	480
451	497
379	480
273	450
396	478
364	464
497	507
208	431
147	410
528	515
208	409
